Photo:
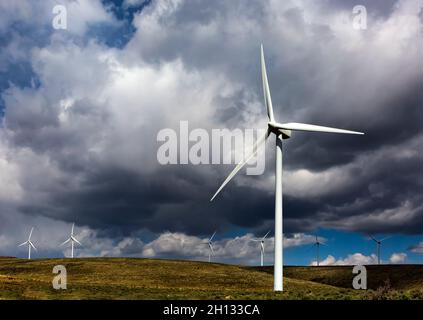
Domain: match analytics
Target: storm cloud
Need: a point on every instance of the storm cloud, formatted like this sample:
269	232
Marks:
79	136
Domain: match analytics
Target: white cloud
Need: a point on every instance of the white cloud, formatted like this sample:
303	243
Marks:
299	239
417	248
303	183
352	259
80	14
10	189
170	245
83	13
328	261
397	258
240	249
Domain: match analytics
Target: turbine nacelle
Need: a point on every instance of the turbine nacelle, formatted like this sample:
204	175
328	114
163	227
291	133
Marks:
286	134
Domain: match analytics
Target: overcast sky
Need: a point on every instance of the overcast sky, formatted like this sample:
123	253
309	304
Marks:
81	108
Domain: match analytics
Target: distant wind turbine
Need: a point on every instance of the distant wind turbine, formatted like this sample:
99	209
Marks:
29	243
261	247
210	243
378	244
318	244
281	131
72	239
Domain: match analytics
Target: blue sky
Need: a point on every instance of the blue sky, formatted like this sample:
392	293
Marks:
341	244
81	109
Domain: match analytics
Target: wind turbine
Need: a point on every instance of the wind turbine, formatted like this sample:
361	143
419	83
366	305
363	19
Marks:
72	239
281	131
318	244
378	244
29	243
261	247
210	243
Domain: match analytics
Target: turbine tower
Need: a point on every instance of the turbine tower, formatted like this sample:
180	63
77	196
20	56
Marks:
72	239
378	244
210	243
281	131
261	247
29	243
318	244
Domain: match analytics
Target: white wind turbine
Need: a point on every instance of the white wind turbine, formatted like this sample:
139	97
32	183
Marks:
281	131
72	239
261	247
318	244
378	244
29	243
210	243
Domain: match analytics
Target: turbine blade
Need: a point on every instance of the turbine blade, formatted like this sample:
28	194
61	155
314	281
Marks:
23	243
310	127
386	238
242	163
371	237
77	241
211	238
62	244
32	245
30	233
266	90
266	235
212	250
73	226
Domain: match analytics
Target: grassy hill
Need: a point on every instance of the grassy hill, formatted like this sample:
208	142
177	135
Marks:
124	278
400	277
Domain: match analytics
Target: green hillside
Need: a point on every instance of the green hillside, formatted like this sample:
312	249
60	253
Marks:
397	277
124	278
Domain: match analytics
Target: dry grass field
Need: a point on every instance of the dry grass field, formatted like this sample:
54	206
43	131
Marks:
130	278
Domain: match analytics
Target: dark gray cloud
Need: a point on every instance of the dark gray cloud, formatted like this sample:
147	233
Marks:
82	145
382	8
